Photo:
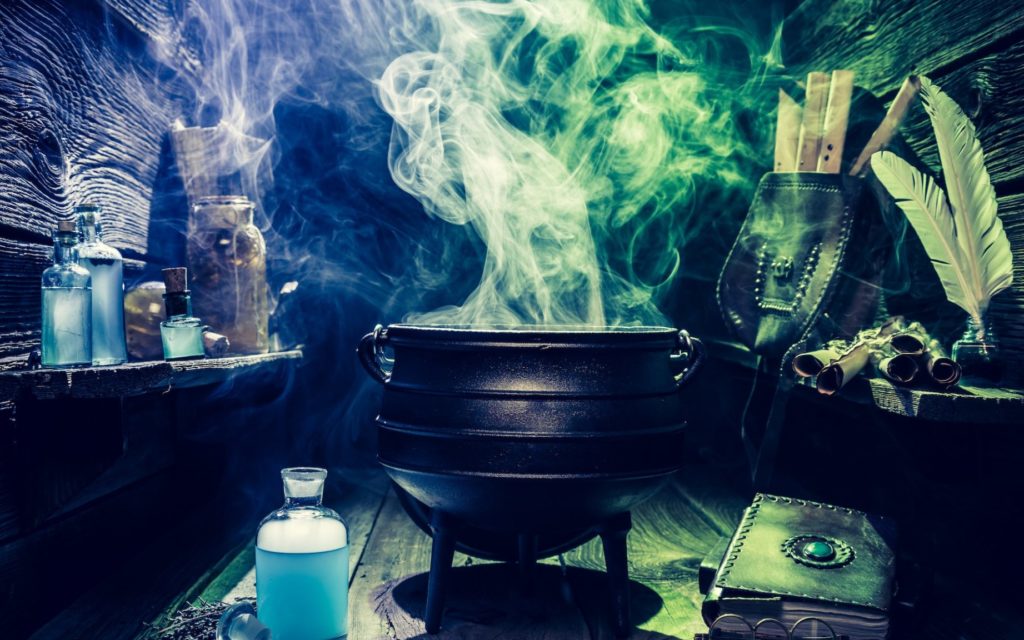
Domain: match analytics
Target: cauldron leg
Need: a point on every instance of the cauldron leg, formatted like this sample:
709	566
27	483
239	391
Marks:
613	537
443	551
527	557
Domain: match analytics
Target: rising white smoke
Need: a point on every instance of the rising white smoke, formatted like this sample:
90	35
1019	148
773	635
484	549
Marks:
569	135
558	130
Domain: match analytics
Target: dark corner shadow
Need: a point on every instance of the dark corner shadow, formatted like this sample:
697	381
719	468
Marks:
489	601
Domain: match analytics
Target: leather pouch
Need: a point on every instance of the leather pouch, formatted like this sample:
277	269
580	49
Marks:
808	248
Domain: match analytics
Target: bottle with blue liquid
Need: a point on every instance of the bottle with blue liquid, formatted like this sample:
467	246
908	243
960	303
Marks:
66	305
302	563
106	268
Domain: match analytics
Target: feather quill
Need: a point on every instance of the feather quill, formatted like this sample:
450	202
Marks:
963	236
980	234
924	203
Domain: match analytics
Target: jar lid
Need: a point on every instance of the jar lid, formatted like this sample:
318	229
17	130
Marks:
229	210
225	200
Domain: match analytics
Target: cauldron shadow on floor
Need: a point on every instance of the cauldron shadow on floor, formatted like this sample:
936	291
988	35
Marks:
489	601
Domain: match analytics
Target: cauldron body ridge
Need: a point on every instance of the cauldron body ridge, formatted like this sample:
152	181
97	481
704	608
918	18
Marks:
544	431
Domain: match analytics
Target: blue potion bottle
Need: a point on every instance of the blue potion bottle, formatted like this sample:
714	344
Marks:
302	563
107	270
181	333
67	304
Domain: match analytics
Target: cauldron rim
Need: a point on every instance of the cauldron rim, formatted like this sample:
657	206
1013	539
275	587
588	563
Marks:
535	328
511	334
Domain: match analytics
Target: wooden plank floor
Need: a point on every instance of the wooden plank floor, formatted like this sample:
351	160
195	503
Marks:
671	534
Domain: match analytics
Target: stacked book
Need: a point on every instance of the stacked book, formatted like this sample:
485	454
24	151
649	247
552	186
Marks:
790	559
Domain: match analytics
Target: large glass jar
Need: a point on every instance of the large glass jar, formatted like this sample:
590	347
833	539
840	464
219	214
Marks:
302	563
227	258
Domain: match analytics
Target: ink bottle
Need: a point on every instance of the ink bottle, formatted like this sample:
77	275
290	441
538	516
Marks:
181	333
302	563
67	305
107	271
228	259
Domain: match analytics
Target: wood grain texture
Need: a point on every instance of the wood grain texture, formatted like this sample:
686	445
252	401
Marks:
167	562
886	41
82	117
396	550
975	53
671	534
41	570
137	378
1007	310
990	92
21	265
164	24
10	497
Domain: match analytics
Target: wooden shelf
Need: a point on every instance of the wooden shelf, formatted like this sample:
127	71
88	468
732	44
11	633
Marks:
135	378
966	405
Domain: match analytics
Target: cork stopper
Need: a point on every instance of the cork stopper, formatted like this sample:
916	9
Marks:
176	280
66	226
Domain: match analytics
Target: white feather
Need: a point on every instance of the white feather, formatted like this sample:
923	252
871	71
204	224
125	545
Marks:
924	203
987	257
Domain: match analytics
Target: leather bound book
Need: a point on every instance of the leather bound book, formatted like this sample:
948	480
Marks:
791	558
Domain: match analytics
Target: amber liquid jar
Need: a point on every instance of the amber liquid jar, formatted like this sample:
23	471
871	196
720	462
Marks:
227	259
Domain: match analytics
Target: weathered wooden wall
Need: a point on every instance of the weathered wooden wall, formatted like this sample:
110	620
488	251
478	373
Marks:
974	51
84	115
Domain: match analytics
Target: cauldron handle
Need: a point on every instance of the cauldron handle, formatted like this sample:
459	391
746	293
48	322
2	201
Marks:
371	354
688	356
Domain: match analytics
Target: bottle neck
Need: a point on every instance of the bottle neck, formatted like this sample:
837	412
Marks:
64	251
307	501
89	233
178	304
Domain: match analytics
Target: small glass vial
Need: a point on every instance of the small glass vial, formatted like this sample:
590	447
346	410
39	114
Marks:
228	260
67	305
107	270
302	563
181	333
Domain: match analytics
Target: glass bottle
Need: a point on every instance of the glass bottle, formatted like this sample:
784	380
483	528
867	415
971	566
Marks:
107	270
977	352
228	260
181	333
302	563
67	305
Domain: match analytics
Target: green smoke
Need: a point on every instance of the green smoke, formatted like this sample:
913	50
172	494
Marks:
574	139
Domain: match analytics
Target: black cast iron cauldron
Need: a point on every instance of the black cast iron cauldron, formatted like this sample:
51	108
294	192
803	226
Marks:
519	443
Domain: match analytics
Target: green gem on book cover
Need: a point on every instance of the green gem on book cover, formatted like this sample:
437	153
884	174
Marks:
818	550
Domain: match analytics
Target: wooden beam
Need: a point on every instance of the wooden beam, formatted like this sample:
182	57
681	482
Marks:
787	133
887	129
837	117
907	36
813	120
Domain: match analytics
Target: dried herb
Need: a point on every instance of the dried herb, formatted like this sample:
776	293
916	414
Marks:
194	621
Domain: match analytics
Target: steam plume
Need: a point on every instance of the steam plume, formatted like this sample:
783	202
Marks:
565	152
564	132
